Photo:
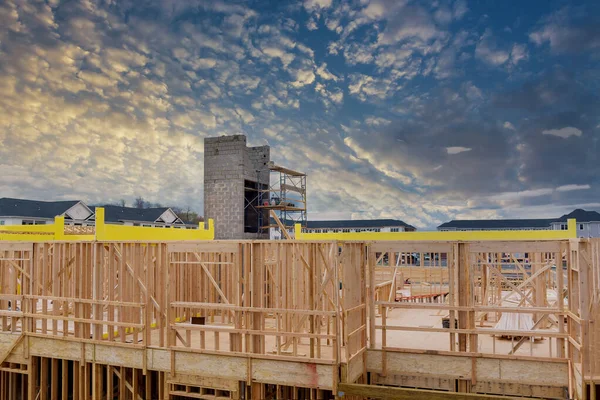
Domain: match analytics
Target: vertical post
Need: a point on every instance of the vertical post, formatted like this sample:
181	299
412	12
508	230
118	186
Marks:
560	342
255	271
584	304
466	319
371	296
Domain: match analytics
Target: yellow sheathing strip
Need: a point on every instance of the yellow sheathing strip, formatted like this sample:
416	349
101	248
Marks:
570	233
122	233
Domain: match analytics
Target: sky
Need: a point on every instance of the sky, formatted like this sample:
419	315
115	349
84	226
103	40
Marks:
423	111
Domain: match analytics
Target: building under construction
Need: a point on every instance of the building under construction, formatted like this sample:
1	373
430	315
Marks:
126	312
412	315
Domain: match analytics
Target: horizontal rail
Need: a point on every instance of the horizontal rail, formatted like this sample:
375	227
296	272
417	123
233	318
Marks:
209	328
86	301
86	320
441	306
229	307
472	354
482	331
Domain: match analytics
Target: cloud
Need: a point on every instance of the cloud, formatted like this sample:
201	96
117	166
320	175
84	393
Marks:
368	87
518	53
457	149
487	50
414	23
460	9
507	196
508	125
568	188
325	74
303	77
569	30
563	132
311	4
115	99
377	121
311	25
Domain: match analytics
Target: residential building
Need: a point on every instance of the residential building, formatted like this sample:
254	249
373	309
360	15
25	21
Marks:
588	224
34	212
154	217
347	226
495	224
76	212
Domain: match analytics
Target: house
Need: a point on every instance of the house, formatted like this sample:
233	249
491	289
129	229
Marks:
155	217
34	212
347	226
588	223
495	224
76	212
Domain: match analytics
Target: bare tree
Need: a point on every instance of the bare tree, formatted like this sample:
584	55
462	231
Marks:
139	202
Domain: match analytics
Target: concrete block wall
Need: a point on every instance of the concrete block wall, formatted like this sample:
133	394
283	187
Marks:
227	163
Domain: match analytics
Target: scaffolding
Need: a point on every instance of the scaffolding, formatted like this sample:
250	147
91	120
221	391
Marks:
285	196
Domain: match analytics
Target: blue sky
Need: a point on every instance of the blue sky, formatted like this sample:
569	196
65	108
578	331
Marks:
421	111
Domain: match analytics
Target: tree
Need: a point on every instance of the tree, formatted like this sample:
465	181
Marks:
122	203
139	202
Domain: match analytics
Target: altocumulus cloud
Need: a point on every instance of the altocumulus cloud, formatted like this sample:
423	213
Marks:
109	100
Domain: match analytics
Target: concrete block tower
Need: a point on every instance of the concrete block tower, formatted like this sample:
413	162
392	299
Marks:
232	174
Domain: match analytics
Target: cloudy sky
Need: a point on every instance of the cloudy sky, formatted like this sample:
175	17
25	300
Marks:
417	110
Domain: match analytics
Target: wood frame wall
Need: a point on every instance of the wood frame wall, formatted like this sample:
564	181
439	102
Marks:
273	319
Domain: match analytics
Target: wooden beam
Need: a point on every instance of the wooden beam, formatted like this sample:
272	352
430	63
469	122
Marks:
281	226
388	392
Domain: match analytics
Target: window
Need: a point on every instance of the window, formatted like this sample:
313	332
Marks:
27	222
395	230
580	227
2	222
563	227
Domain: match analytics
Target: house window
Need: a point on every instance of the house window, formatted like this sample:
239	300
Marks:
27	222
395	230
563	227
580	227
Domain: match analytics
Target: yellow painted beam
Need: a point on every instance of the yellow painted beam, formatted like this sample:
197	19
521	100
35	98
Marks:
547	234
122	233
104	232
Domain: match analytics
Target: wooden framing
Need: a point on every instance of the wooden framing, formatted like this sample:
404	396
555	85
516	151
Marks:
291	319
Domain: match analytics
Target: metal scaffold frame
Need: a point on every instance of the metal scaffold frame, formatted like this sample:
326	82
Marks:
285	196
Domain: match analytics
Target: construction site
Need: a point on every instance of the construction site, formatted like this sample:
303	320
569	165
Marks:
127	312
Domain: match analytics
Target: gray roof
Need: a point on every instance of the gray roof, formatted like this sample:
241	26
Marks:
357	223
581	216
497	223
119	214
33	208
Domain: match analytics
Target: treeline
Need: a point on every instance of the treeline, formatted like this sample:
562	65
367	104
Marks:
187	214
